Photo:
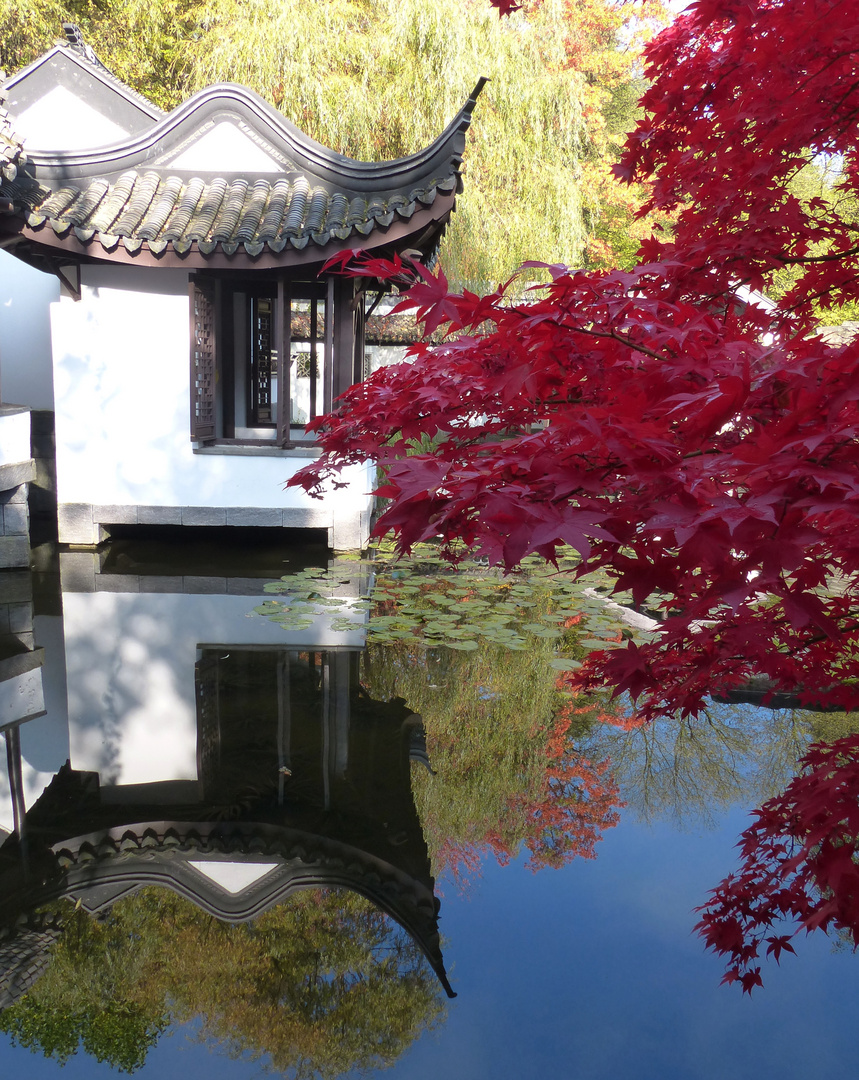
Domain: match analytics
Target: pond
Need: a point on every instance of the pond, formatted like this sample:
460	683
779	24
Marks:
262	812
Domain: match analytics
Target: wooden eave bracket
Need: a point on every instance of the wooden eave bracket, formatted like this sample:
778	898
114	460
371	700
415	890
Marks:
70	278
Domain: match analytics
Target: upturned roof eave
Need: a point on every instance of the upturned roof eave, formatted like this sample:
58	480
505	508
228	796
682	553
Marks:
325	166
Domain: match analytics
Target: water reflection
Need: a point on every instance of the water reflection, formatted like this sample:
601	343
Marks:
208	816
257	781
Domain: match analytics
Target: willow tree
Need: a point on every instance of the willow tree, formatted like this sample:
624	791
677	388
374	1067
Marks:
378	79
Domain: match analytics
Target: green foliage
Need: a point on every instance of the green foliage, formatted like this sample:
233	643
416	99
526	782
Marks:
378	79
86	998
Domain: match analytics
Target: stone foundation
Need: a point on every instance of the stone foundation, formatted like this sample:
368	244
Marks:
86	525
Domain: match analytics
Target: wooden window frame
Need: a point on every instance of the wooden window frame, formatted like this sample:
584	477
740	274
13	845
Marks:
216	359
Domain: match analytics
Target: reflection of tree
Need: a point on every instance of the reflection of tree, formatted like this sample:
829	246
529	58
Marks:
502	742
690	769
319	986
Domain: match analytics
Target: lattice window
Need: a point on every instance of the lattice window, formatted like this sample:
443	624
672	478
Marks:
263	401
203	361
266	358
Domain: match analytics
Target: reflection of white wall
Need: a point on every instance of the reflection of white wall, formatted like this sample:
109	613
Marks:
45	740
34	780
26	376
45	744
123	407
130	664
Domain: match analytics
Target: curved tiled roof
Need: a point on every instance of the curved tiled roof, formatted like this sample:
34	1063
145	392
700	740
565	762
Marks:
12	158
219	214
134	202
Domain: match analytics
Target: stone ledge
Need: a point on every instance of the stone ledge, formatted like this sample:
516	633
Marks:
13	666
237	450
17	473
204	515
84	524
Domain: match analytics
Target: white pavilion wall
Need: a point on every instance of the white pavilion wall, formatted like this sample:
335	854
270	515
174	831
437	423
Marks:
121	381
132	707
26	376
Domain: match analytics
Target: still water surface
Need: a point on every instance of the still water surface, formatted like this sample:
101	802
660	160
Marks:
235	845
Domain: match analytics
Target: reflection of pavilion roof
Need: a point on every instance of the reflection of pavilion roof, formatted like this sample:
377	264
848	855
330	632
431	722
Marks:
249	848
224	180
24	956
100	868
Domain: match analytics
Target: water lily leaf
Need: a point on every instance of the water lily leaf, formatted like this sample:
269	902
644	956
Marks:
561	663
598	643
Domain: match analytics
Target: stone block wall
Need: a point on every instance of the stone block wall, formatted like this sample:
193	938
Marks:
14	528
17	472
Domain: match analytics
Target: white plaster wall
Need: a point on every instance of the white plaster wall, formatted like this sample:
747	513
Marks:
62	121
26	374
130	665
121	378
14	438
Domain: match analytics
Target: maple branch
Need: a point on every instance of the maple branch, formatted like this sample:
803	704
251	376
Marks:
833	257
614	336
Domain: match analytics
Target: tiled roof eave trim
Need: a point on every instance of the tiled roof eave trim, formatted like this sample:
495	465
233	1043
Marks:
55	236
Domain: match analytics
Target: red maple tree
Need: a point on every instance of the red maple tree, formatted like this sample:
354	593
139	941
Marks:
799	865
699	446
692	444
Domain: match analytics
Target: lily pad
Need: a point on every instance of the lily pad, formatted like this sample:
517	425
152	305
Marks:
561	663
